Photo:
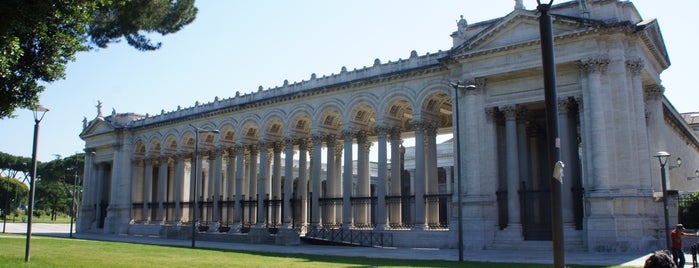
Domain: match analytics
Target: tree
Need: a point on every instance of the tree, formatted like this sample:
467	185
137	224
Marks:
39	37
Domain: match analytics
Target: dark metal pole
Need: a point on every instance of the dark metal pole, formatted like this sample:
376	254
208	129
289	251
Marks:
667	217
32	189
458	172
72	202
7	205
551	101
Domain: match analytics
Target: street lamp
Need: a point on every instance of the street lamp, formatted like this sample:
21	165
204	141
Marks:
73	208
39	112
662	158
552	139
7	205
196	176
460	216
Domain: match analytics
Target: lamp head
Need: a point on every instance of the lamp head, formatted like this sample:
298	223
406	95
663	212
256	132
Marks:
39	112
458	84
662	156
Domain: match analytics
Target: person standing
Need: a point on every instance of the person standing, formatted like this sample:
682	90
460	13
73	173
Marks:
676	236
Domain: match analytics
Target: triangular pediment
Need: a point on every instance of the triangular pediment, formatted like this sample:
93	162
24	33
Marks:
653	39
520	26
96	127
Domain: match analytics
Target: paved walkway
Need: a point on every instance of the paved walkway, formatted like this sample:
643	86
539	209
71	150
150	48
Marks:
520	256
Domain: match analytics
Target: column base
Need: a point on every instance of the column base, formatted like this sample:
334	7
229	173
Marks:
420	227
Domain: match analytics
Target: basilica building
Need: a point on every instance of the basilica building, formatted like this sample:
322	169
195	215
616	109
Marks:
396	151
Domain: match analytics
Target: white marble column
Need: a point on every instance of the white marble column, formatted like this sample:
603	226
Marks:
331	180
347	177
568	156
162	183
432	182
643	153
276	188
596	104
316	161
230	183
252	180
138	168
513	180
239	177
262	185
288	182
147	192
382	132
420	171
179	183
216	182
302	186
363	182
394	189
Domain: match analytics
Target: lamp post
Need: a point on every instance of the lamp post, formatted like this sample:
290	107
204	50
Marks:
662	159
73	208
7	205
554	155
196	177
460	216
39	112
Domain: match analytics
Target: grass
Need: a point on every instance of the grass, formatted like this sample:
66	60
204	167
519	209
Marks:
64	252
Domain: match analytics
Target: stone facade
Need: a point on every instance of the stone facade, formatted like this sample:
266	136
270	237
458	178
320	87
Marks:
298	157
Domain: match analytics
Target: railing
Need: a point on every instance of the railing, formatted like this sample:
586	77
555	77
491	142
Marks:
249	214
355	237
438	204
364	211
400	210
226	211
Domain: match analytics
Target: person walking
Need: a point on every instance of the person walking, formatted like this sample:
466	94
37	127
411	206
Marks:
676	248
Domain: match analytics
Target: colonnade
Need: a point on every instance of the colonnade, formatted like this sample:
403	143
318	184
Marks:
250	178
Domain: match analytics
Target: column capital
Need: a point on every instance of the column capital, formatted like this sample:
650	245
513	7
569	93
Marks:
594	65
362	137
382	130
418	124
317	138
331	139
289	140
277	146
566	105
635	66
431	128
492	114
254	148
511	112
654	91
303	144
349	133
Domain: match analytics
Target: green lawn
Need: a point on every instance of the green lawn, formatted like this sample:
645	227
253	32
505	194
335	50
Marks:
64	252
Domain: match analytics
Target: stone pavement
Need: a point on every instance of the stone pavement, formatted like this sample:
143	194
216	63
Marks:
520	256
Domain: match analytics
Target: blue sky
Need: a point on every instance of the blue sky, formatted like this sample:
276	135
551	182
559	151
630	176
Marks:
240	45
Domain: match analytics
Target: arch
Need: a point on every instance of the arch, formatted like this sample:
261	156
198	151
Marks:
273	128
360	114
329	117
249	130
300	124
435	101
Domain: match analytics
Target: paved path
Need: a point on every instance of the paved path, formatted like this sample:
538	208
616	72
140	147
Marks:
521	256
